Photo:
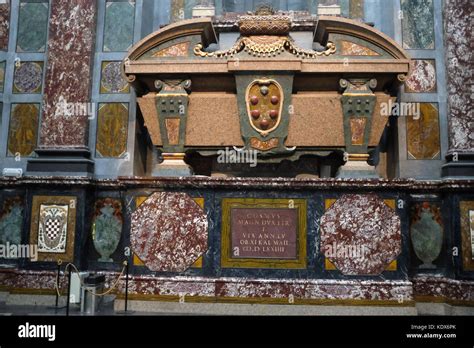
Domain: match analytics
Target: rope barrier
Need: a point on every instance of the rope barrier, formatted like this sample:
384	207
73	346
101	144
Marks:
82	283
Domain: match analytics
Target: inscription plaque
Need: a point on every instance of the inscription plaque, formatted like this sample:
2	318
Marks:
263	233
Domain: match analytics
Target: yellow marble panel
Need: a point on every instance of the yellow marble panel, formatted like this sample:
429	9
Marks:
112	130
423	137
23	133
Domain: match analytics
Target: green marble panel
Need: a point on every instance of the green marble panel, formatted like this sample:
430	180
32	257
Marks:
418	24
119	24
32	26
11	221
356	9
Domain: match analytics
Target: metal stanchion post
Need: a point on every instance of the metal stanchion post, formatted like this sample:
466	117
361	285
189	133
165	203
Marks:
126	286
57	282
68	290
126	311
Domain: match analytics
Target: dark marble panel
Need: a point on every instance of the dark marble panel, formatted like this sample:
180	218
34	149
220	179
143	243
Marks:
418	24
4	25
459	57
32	26
68	75
119	24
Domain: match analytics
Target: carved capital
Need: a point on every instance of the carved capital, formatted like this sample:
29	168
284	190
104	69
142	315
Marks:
362	86
173	86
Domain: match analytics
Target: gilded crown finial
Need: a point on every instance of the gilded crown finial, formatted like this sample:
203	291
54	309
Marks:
264	10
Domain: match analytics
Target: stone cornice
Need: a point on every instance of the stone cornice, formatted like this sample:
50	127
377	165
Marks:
123	183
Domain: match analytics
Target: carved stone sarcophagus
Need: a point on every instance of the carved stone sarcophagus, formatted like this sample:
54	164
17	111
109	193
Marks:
273	90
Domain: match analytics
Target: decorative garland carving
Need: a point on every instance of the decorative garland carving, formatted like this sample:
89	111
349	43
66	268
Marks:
266	46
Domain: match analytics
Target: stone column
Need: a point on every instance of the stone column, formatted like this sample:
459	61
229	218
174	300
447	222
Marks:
63	140
4	26
457	16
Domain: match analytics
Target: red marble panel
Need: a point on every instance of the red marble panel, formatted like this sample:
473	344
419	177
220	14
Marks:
169	232
4	25
458	47
69	72
360	234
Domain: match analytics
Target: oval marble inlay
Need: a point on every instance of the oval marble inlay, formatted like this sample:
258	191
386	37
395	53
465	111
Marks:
28	78
112	80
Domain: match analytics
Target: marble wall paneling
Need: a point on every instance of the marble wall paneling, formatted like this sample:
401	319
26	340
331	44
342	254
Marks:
418	24
459	58
169	232
349	48
32	26
112	80
422	77
107	225
28	78
423	134
68	74
356	9
4	25
467	234
23	132
112	129
361	234
426	232
119	24
11	220
264	233
2	75
53	227
139	200
177	10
